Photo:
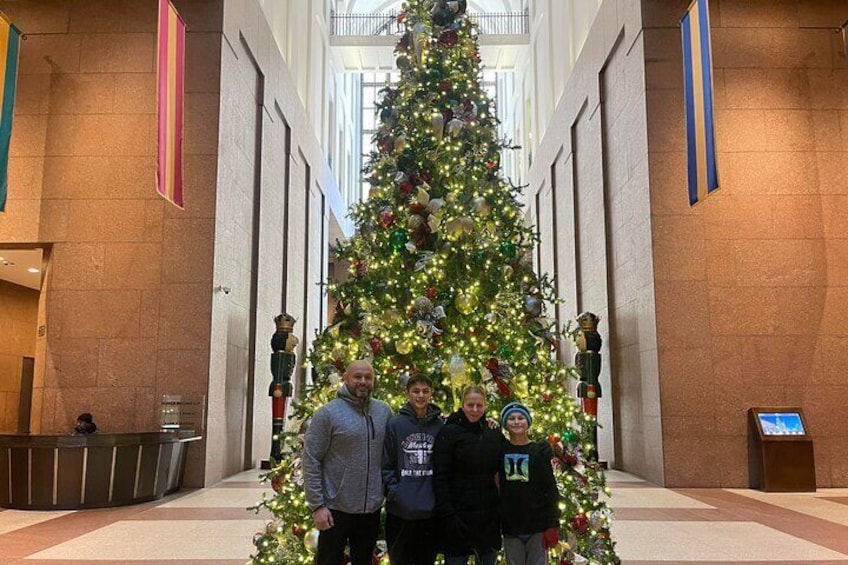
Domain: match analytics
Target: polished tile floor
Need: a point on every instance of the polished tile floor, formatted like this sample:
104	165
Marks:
653	526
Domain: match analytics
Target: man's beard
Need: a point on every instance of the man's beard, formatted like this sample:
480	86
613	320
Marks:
363	393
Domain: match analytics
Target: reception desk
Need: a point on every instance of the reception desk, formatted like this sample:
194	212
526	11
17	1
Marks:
68	472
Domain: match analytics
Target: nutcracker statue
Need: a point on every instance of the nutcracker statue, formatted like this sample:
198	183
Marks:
588	363
283	344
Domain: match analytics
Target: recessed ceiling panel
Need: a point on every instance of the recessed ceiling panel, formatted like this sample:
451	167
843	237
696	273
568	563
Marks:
22	266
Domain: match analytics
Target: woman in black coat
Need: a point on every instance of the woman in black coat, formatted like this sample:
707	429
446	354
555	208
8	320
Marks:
466	459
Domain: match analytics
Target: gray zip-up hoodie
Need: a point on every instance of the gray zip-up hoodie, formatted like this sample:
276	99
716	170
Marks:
342	454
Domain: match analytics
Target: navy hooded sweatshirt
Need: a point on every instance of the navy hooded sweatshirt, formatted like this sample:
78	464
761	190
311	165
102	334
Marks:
408	463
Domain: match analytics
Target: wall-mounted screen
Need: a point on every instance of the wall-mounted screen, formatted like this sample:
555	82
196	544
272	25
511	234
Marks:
781	424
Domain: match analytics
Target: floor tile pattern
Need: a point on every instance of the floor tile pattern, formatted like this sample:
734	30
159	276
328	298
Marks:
654	526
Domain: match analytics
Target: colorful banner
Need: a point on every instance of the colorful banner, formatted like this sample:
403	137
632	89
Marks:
10	42
698	86
171	70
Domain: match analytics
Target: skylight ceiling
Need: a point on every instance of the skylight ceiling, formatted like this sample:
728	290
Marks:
377	6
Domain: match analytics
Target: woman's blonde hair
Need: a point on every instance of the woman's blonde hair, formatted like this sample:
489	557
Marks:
474	389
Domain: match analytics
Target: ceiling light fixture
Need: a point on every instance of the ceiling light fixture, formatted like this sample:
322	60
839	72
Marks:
33	270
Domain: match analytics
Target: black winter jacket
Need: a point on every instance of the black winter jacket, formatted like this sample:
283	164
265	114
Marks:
466	459
408	463
529	493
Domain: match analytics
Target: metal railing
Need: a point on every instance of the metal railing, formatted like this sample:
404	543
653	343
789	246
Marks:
490	23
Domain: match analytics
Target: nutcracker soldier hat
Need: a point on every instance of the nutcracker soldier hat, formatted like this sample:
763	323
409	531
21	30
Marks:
588	321
285	322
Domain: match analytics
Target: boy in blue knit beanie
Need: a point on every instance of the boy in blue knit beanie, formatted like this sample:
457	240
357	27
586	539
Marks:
529	493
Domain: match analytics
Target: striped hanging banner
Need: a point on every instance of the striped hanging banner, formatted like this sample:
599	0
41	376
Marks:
10	42
171	70
698	86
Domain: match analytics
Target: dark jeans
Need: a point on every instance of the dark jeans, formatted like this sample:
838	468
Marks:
357	530
411	542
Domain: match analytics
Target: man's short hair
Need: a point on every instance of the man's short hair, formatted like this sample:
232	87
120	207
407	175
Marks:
419	379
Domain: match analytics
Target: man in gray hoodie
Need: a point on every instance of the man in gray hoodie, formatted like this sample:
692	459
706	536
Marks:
342	463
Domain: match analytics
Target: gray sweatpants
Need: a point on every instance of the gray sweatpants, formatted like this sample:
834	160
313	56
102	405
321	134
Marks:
528	552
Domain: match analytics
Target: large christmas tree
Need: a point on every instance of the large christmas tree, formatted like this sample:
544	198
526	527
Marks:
441	283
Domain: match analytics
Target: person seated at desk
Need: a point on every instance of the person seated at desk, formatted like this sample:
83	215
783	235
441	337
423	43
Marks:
85	424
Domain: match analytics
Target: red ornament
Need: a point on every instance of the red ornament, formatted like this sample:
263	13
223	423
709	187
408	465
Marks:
580	523
277	484
445	86
449	38
547	396
405	188
492	364
360	268
491	164
386	217
431	293
299	531
376	345
339	365
417	208
503	389
385	145
447	115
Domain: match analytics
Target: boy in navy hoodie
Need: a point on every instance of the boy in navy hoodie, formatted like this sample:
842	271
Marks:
529	493
408	476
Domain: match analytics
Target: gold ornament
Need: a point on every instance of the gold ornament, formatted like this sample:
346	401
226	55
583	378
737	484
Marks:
422	196
467	224
414	222
454	228
310	540
465	303
435	205
403	347
390	316
482	207
437	123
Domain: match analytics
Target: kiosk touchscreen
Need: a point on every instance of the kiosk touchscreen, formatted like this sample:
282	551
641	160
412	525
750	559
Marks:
780	451
781	423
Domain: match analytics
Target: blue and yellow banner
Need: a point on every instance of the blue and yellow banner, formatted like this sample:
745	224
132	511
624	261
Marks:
698	86
10	41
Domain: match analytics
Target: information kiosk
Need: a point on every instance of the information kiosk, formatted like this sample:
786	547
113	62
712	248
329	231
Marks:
780	451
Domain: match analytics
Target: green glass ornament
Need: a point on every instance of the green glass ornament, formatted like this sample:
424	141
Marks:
505	351
569	436
398	239
508	249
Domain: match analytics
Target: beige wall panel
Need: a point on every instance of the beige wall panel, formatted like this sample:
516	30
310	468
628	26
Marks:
131	279
761	253
602	175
